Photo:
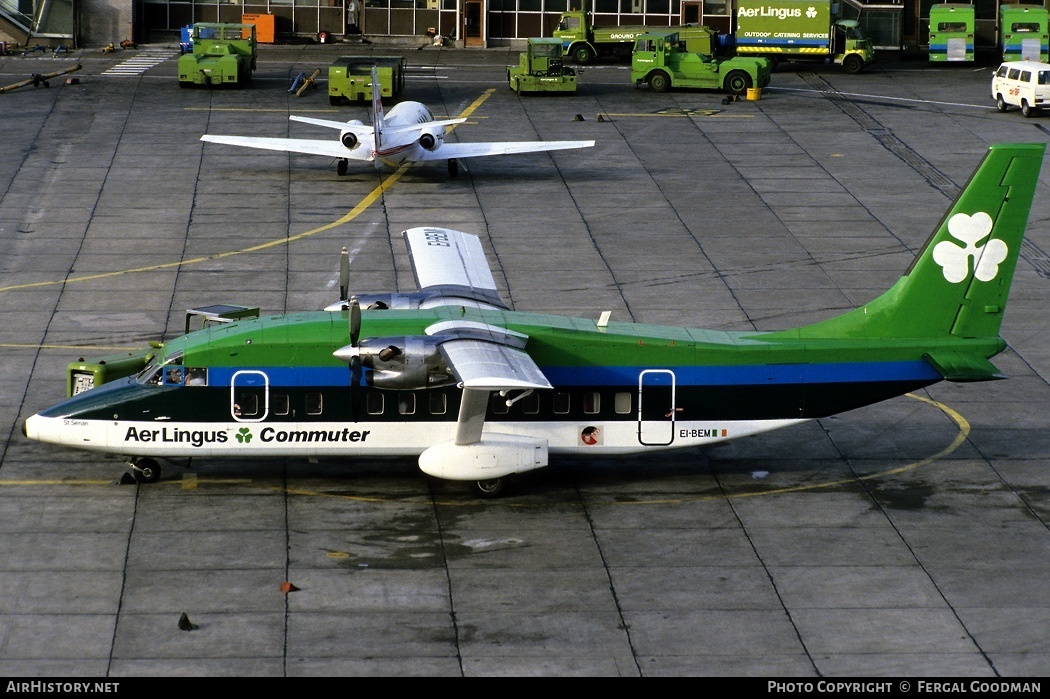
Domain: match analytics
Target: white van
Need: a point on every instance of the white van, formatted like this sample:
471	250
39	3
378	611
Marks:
1024	84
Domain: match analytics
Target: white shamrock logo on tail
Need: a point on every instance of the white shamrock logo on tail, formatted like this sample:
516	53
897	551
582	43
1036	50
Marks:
956	260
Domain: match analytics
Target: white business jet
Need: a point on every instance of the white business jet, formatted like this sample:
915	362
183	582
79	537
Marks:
408	134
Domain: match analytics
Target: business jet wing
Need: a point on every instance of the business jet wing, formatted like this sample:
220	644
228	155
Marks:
331	149
449	151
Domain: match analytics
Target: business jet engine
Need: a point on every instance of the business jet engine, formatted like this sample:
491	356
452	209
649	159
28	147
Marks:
348	138
400	363
429	141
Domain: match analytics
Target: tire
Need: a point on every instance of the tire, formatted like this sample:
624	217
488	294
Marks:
737	82
341	167
146	471
1000	105
492	488
1026	110
582	55
853	63
659	81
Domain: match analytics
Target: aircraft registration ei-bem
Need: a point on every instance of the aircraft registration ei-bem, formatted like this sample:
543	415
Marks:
480	392
408	134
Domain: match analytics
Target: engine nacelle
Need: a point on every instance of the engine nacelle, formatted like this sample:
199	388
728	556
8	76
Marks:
401	363
349	140
495	456
428	141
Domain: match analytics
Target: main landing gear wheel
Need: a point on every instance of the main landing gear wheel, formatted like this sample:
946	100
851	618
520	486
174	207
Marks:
492	488
145	470
453	167
340	167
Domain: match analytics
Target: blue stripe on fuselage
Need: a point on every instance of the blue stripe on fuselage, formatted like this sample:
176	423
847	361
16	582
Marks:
749	375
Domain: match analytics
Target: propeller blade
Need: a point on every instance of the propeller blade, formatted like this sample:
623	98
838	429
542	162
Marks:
344	275
355	321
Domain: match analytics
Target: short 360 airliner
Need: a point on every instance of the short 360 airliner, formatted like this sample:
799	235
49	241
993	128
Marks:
480	392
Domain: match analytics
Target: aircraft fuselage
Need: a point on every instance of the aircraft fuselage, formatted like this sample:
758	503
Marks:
273	387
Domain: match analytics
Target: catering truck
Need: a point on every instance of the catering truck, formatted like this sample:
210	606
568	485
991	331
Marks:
222	54
951	33
799	30
585	42
660	61
1023	33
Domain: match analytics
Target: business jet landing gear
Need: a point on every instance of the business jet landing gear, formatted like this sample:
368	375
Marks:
492	488
145	470
453	167
341	166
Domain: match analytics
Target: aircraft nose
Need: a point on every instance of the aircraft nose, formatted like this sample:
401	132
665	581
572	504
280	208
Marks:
25	432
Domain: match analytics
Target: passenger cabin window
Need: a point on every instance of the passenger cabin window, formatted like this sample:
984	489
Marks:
561	402
1014	73
622	403
1044	77
374	404
530	404
314	403
592	403
1026	76
438	403
281	404
406	403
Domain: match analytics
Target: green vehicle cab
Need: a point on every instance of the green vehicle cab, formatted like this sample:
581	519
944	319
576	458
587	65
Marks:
660	61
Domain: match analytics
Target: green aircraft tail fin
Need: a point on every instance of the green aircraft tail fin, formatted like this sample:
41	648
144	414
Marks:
958	284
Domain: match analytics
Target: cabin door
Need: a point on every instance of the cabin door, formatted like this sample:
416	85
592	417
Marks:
249	396
656	411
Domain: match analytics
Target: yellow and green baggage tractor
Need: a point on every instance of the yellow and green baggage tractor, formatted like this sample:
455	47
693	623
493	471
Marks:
350	78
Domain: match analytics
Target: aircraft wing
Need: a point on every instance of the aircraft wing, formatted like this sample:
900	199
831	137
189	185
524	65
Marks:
484	358
476	150
453	264
329	148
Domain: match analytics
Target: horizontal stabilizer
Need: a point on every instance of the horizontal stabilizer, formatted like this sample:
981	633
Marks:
390	130
960	366
329	124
